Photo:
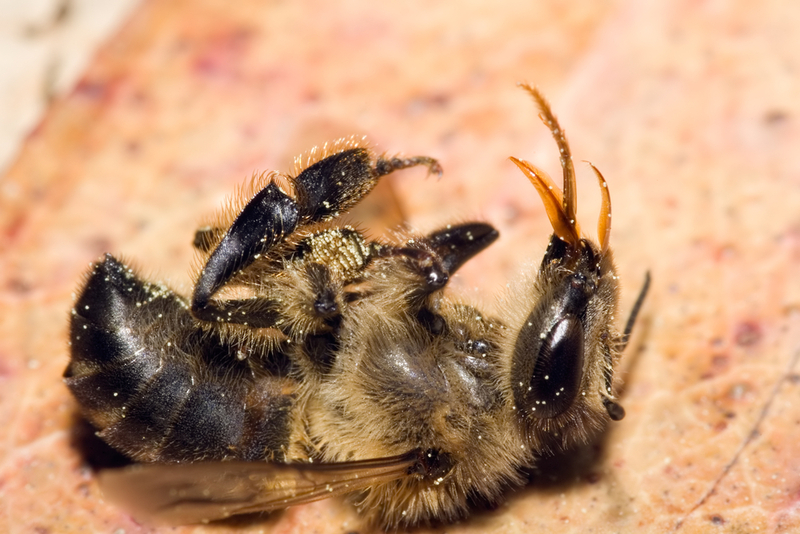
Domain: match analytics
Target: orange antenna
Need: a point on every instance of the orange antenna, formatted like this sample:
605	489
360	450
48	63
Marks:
604	222
563	227
570	200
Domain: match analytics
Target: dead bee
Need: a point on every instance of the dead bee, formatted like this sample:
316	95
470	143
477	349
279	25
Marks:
311	362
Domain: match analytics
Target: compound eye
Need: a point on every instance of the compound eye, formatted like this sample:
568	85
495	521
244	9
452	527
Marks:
558	370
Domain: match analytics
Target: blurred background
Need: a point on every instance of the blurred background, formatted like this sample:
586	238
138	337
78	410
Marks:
125	125
45	45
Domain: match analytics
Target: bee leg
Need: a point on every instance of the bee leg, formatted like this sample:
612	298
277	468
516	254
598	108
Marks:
626	335
431	321
321	305
206	237
453	246
441	253
432	464
321	351
264	221
255	312
323	190
457	244
615	410
315	297
335	184
326	294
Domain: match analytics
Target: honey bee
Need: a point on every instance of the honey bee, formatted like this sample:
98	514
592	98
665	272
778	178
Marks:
311	361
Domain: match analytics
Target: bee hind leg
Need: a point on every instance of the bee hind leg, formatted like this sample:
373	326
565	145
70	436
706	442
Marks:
322	191
206	237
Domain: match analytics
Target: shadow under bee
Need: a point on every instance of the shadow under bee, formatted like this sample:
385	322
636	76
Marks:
95	452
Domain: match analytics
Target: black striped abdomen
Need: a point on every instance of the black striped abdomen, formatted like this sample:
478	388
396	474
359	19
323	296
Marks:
159	387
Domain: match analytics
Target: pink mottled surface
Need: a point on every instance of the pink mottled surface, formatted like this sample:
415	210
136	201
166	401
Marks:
690	109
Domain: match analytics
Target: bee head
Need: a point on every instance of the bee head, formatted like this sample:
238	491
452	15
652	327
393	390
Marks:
563	355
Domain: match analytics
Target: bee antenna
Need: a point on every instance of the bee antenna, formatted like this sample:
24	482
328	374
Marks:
560	206
565	229
570	198
604	222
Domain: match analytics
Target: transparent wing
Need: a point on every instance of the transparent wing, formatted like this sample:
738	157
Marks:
179	494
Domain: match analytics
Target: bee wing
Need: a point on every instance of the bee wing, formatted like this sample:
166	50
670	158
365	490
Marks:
206	491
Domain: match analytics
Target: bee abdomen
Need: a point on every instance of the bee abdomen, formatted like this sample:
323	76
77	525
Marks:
148	417
158	387
178	418
109	360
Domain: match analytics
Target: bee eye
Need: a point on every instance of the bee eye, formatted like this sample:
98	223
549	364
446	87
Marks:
557	372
